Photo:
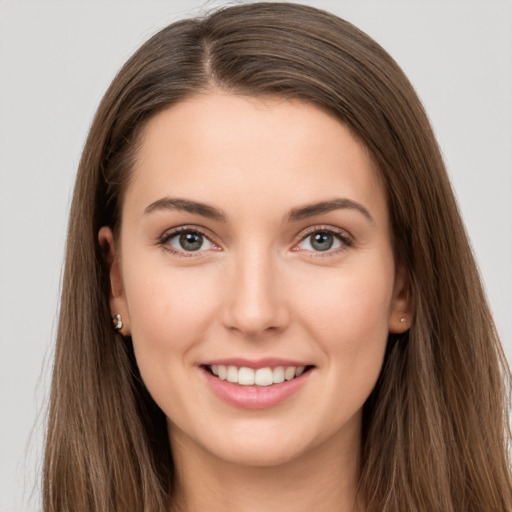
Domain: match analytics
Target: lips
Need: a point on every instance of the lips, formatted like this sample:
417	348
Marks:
255	385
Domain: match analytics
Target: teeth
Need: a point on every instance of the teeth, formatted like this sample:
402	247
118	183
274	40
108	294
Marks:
260	377
223	372
263	377
278	374
246	376
289	373
232	374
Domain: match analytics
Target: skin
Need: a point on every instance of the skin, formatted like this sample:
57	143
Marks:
257	288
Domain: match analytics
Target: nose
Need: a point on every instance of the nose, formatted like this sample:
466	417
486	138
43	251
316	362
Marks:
255	304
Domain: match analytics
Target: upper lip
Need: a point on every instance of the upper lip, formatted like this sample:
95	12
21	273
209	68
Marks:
266	362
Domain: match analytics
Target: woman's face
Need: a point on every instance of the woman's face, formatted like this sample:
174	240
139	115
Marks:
255	247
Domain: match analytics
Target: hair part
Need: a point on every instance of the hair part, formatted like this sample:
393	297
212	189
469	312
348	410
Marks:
435	432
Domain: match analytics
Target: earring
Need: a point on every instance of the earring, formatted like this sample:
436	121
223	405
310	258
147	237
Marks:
118	323
403	319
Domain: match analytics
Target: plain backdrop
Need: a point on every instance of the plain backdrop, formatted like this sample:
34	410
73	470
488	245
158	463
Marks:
58	57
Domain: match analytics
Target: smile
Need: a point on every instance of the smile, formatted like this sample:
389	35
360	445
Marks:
245	376
251	384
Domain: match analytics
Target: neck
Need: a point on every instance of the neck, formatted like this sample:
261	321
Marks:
325	478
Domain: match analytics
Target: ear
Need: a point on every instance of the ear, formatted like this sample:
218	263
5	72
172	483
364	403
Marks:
401	311
118	305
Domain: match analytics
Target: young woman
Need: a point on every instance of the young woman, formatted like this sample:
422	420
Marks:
298	323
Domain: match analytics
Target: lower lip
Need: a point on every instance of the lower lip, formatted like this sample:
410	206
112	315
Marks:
254	397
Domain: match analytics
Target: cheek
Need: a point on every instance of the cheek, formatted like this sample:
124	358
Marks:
347	313
351	301
169	313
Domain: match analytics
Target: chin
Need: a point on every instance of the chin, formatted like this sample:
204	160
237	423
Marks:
267	445
259	455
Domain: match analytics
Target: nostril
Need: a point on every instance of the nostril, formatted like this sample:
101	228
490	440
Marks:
253	323
254	301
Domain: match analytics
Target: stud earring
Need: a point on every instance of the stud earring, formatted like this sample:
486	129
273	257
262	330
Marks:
403	319
118	323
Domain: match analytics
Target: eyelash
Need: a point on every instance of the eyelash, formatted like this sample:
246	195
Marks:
164	240
341	235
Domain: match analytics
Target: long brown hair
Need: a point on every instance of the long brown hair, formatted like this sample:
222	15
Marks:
435	429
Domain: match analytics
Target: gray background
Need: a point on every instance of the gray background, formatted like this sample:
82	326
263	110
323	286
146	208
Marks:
58	57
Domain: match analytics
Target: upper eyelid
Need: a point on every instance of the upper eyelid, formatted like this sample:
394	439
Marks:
326	229
346	239
171	232
163	239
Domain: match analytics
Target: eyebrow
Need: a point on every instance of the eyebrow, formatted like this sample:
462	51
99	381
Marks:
297	214
185	205
327	206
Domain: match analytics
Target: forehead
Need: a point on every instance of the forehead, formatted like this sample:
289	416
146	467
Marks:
270	150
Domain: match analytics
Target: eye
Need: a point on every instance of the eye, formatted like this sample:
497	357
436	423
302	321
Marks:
186	241
324	240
